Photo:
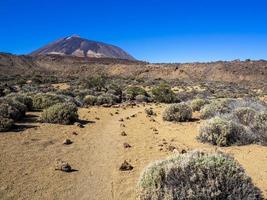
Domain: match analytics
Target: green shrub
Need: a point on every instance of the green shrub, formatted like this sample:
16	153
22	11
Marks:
97	83
196	175
60	113
22	98
164	94
42	100
7	111
5	124
90	100
177	112
106	99
197	104
141	98
132	92
12	108
224	132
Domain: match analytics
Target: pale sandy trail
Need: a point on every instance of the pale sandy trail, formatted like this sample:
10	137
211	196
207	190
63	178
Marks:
27	158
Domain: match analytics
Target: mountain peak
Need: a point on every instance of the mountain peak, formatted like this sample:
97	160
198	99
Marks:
74	45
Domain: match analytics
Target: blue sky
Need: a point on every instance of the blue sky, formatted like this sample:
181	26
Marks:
151	30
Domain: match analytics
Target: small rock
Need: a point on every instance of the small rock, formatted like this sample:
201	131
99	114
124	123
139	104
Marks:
126	145
111	114
122	125
79	124
125	166
183	151
74	133
123	133
67	142
134	115
127	118
63	166
106	105
121	120
116	106
171	148
97	118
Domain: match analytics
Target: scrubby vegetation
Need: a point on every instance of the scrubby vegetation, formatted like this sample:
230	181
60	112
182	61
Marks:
61	113
42	101
222	132
5	124
177	112
237	122
197	104
196	175
134	91
163	94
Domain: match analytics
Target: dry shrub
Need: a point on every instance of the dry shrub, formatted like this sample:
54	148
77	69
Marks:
196	175
197	104
61	113
5	124
180	112
224	132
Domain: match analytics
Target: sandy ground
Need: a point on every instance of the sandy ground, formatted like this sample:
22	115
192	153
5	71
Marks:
27	157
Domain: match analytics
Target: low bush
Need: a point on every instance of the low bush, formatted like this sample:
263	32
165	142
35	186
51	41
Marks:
196	175
60	113
224	132
22	98
11	108
42	100
220	106
5	124
177	112
134	91
107	99
164	94
7	111
90	100
141	98
197	104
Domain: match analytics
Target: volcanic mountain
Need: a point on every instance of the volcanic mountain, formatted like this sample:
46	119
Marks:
80	47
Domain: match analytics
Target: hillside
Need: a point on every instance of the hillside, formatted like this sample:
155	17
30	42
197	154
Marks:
234	71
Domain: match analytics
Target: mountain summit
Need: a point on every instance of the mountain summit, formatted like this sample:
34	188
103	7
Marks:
80	47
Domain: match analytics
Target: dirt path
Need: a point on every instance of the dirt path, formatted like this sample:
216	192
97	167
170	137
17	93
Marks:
27	158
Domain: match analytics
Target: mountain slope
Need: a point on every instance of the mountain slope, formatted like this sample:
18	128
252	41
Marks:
80	47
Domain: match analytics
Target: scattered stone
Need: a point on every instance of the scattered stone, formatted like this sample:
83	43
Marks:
67	142
123	133
171	148
183	151
63	166
125	166
121	120
111	114
122	125
74	133
161	149
117	113
106	105
79	124
152	120
134	115
126	145
116	106
127	118
97	118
